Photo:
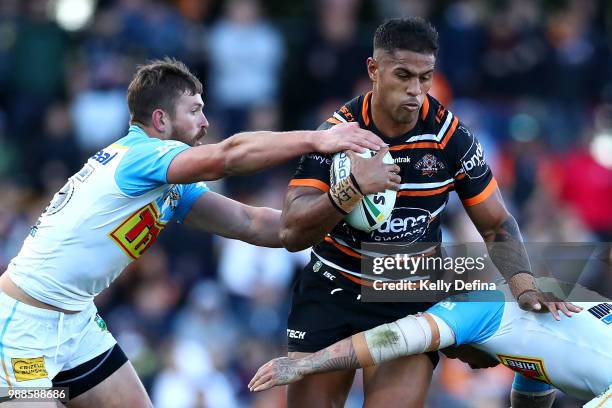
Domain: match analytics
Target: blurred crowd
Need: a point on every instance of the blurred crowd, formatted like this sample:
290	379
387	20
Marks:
198	314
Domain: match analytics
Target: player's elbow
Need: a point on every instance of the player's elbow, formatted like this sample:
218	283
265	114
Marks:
290	239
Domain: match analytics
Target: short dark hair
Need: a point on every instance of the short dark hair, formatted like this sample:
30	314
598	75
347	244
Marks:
409	33
159	84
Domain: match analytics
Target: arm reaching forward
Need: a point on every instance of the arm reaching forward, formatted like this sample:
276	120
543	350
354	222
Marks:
407	336
249	152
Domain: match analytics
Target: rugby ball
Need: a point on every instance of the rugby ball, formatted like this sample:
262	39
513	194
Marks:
374	209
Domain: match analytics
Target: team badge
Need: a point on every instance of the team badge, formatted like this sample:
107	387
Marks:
170	200
529	367
429	165
100	322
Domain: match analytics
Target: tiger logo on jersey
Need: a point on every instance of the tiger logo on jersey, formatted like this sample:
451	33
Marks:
429	165
529	367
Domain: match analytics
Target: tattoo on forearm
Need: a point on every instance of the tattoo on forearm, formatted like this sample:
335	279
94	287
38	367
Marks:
339	356
507	250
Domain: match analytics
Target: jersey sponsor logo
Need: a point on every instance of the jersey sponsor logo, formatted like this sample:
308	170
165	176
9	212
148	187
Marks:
322	160
27	369
429	165
401	160
603	312
103	157
529	367
473	162
406	224
296	334
138	232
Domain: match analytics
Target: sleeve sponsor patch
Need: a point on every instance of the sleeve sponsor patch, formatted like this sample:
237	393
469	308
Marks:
473	161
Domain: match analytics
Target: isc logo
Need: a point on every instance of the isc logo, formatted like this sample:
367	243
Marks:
103	157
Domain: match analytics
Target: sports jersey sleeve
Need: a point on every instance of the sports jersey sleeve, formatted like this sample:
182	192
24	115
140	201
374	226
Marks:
313	168
145	165
528	386
189	194
473	179
473	317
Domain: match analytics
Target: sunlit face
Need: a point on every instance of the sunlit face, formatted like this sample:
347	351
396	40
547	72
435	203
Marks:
401	80
188	124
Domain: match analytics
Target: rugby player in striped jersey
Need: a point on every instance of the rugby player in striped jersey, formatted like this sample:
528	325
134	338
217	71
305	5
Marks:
437	154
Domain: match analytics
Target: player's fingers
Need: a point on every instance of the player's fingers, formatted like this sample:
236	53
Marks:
563	308
382	152
573	308
261	380
265	386
552	308
376	141
391	185
395	178
353	147
394	168
257	377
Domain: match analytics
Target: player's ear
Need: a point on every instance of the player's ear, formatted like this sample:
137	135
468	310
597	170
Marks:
159	120
372	68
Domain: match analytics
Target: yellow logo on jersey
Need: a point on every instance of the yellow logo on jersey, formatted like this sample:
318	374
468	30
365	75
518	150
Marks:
136	234
529	367
26	369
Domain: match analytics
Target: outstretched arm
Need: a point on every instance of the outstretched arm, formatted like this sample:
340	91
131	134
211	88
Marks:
223	216
249	152
407	336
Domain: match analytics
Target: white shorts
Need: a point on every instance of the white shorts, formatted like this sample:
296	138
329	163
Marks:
36	344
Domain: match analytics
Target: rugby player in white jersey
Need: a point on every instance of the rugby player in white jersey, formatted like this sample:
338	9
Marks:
486	329
111	211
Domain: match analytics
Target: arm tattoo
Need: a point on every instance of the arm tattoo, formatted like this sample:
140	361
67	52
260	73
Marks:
339	356
286	370
507	250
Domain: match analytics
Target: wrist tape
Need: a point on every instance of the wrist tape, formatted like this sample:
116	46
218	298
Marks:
345	194
521	283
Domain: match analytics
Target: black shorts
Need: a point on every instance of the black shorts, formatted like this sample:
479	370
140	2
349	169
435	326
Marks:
325	308
84	377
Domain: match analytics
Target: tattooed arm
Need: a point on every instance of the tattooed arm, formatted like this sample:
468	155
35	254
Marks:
501	232
339	356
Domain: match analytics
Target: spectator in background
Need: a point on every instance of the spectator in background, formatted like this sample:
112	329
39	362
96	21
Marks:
329	61
246	55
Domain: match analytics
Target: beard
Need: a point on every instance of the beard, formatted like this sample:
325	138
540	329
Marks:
187	137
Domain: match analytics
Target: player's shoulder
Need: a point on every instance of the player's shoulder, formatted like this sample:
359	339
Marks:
440	121
350	111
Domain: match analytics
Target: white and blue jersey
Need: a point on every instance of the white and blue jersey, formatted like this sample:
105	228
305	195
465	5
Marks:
106	215
573	355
